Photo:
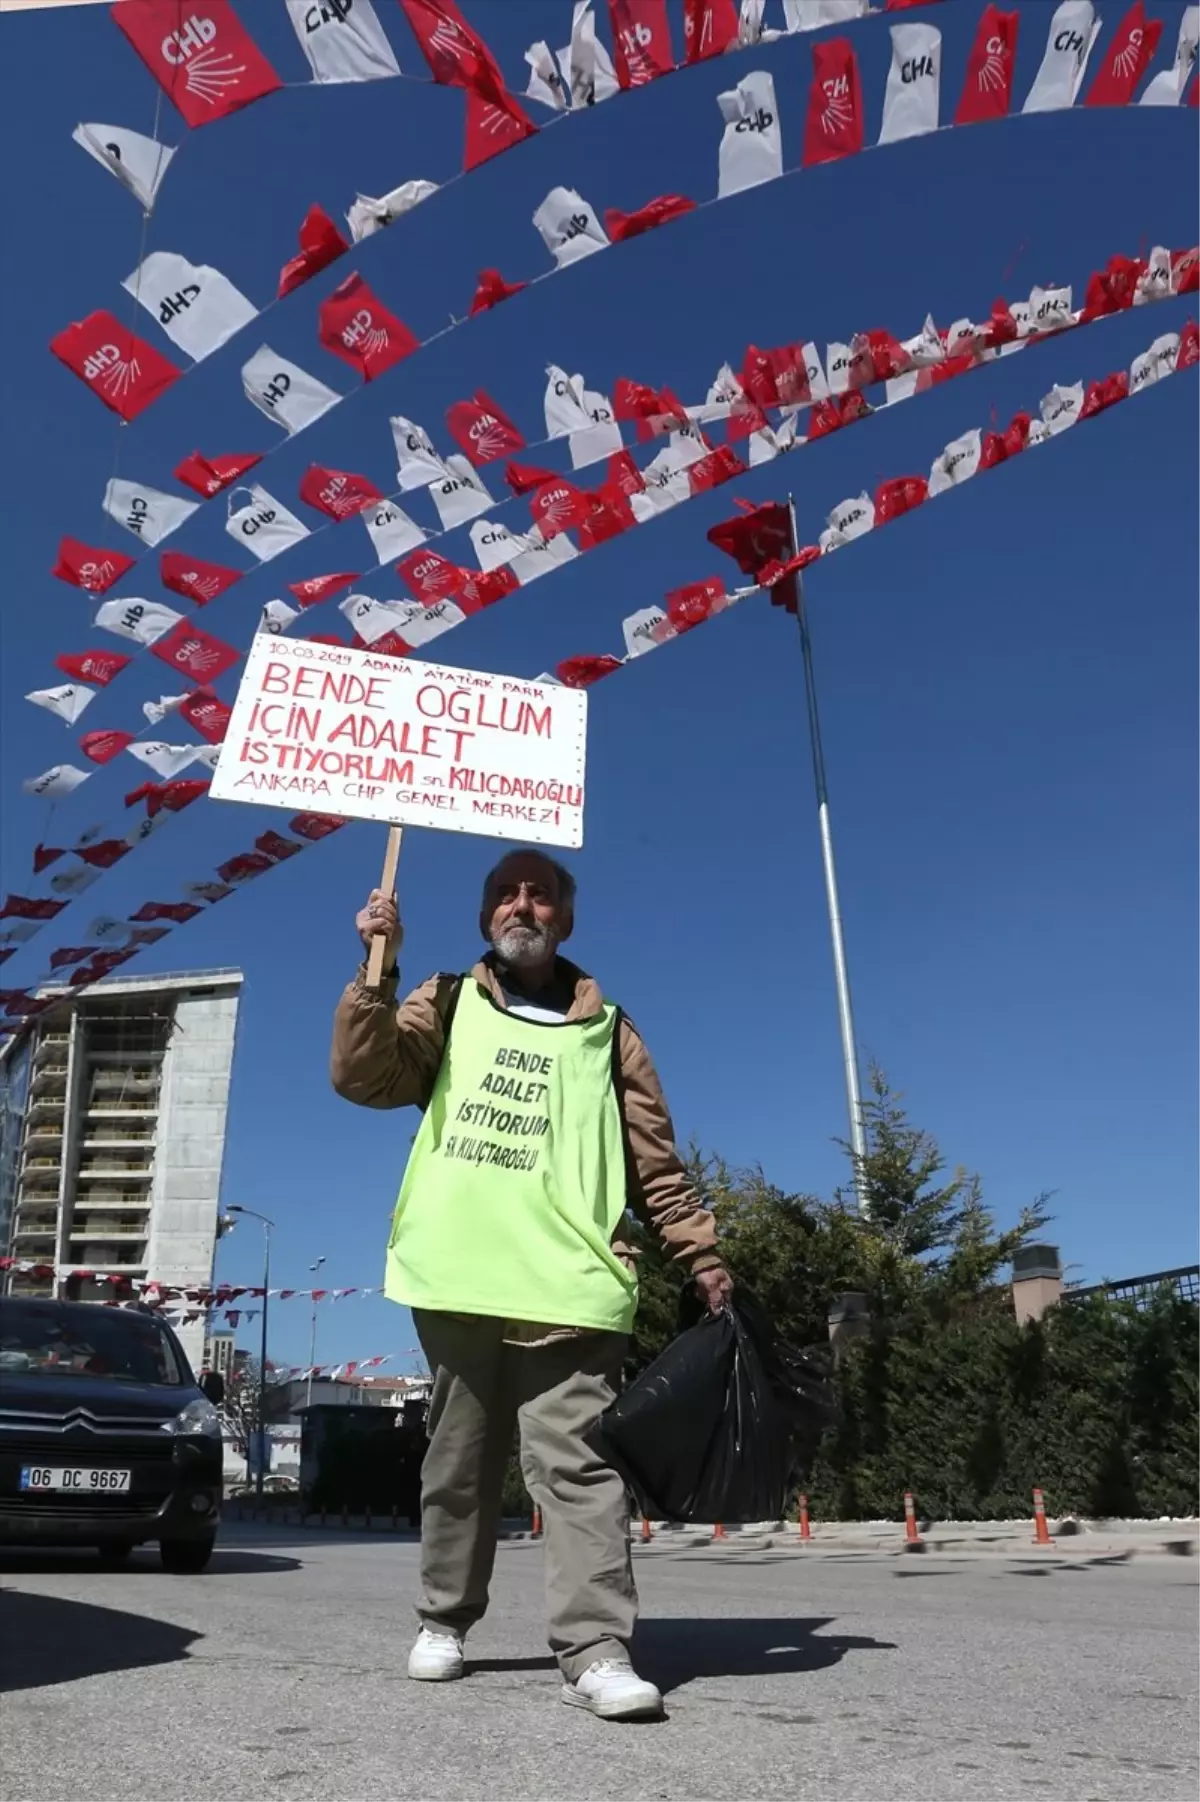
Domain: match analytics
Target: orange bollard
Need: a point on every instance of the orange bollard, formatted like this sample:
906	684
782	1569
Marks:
805	1529
535	1531
719	1532
911	1535
1041	1532
646	1533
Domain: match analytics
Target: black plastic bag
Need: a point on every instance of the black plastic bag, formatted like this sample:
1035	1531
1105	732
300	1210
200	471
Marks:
719	1427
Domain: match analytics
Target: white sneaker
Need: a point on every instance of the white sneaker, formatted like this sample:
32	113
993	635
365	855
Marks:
436	1657
612	1689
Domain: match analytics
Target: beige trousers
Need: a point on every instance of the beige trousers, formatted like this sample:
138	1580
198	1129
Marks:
483	1390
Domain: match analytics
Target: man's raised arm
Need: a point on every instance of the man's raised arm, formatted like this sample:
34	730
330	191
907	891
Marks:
384	1056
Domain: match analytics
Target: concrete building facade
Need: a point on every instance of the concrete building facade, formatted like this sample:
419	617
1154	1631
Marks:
112	1136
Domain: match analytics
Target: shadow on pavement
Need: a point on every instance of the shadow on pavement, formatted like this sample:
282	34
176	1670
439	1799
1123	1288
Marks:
142	1562
671	1653
474	1666
49	1639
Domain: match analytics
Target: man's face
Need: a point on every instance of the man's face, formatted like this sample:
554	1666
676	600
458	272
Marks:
523	916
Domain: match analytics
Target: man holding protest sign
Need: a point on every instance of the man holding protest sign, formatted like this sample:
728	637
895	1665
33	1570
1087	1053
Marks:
543	1120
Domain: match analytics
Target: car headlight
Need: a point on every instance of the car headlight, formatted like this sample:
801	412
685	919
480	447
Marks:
198	1416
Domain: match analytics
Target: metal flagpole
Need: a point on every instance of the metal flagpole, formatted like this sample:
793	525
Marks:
858	1138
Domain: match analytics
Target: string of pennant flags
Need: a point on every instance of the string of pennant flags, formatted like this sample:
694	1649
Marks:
760	541
686	466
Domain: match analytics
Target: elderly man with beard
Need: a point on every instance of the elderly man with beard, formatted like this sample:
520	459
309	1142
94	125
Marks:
543	1121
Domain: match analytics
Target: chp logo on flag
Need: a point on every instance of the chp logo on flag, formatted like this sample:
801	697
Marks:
482	429
357	327
204	59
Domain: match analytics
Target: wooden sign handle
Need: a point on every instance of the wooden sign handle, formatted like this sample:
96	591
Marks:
387	882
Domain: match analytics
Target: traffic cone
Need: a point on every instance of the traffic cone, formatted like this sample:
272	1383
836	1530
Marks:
646	1533
805	1529
911	1535
536	1529
1041	1532
719	1532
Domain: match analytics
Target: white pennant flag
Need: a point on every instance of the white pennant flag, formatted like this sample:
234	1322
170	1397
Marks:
839	360
603	436
285	392
68	700
143	621
563	404
762	447
847	521
147	512
645	630
752	142
726	389
926	348
1169	88
367	216
585	64
73	882
666	479
1150	367
276	617
53	784
21	931
342	39
106	929
810	15
431	622
419	463
541	557
374	619
157	711
1155	281
197	307
263	524
1049	310
165	760
957	463
1061	408
208	756
138	163
569	227
1073	30
460	495
390	530
544	84
750	25
495	545
910	105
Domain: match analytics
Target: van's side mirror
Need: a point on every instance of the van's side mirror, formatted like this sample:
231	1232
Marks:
212	1384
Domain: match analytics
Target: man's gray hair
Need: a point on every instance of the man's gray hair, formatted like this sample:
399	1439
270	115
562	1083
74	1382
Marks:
563	876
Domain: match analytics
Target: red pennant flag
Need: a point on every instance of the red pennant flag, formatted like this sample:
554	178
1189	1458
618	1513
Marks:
44	856
1192	97
338	493
581	672
13	1001
480	428
212	892
1185	271
314	826
491	288
495	122
1127	59
1189	346
203	58
179	911
27	907
1112	289
92	666
758	537
987	89
321	243
481	590
193	578
637	400
325	638
104	855
206	714
834	127
456	54
102	747
244	867
558	505
876	357
319	588
71	954
169	797
720	465
620	226
709	28
187	647
1104	394
85	567
898	496
275	846
120	368
523	478
992	450
390	645
430	576
1016	436
1001	328
208	475
843	409
774	378
357	327
622	475
697	601
641	41
101	965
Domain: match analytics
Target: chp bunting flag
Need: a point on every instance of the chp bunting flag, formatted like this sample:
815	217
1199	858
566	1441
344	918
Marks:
92	666
102	747
138	163
621	226
319	588
149	513
357	327
203	58
285	392
189	648
86	567
834	126
751	149
491	288
321	243
197	307
264	525
494	123
206	714
208	475
1126	59
343	41
122	370
910	106
987	88
482	429
337	492
63	779
1073	30
641	41
569	227
1168	88
67	701
710	27
193	578
131	617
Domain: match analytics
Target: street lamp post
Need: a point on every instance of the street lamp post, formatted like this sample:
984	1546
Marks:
260	1470
312	1340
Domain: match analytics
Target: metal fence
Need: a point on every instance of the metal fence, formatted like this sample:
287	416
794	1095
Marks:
1141	1290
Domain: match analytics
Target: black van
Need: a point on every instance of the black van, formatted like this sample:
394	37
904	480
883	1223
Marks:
106	1438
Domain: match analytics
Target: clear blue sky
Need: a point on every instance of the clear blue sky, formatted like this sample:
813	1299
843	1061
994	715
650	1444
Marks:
1007	679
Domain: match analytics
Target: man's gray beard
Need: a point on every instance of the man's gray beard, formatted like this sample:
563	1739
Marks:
524	947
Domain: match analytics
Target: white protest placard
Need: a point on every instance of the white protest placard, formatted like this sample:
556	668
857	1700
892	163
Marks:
374	737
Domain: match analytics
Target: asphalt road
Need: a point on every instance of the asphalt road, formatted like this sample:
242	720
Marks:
279	1674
